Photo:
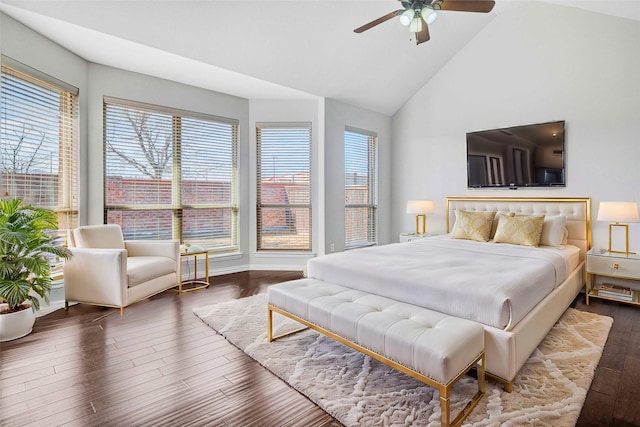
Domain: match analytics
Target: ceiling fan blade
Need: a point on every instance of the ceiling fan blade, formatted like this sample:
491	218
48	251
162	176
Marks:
482	6
375	22
423	36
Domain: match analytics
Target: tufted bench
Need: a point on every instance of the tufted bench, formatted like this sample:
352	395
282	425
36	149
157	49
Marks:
432	347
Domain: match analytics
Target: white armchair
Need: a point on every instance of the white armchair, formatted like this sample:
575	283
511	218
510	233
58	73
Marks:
106	270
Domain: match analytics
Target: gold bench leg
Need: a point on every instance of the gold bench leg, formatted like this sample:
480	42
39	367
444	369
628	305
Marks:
481	376
269	324
445	411
270	336
445	392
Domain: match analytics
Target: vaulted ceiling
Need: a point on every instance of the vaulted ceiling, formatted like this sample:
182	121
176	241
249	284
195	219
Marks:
271	49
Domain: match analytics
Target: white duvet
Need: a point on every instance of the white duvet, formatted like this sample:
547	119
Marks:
492	283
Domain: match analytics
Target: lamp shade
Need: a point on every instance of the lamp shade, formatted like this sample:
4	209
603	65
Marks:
618	212
420	206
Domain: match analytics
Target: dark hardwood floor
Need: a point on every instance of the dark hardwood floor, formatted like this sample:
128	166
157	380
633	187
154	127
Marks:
614	397
160	365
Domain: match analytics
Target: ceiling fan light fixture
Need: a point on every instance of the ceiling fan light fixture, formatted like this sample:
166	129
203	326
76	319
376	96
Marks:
407	16
416	25
418	14
429	15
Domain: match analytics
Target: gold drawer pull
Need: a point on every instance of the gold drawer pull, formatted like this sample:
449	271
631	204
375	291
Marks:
616	266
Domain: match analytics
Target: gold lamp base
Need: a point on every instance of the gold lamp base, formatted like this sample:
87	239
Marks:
626	239
424	223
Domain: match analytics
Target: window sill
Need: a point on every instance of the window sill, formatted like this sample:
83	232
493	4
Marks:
284	254
225	257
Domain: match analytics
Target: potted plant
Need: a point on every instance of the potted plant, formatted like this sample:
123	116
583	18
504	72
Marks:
27	234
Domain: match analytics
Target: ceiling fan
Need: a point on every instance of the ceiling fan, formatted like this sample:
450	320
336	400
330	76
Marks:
417	14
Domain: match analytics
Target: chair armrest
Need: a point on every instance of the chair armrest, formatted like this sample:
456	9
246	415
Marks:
97	276
166	248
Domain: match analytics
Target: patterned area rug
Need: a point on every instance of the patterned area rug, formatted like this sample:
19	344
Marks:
359	391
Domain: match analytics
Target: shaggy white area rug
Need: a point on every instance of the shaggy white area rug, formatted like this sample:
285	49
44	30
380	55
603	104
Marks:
359	391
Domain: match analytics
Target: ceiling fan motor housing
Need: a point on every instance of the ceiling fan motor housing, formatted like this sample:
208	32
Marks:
418	5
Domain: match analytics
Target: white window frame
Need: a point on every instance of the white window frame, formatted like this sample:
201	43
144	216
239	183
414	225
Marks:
177	206
22	85
292	167
355	184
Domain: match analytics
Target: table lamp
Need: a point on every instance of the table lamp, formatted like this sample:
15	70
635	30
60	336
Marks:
617	213
420	208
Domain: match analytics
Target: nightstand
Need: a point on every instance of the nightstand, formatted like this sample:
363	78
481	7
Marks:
408	237
616	269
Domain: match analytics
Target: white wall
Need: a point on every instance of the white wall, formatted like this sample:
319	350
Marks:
29	47
536	63
337	116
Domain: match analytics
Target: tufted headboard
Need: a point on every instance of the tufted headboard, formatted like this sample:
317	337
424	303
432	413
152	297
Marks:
576	209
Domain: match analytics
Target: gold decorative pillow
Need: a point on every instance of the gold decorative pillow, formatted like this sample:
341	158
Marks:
494	226
473	225
520	230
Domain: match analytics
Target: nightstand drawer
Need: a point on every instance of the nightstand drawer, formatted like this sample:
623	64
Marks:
612	266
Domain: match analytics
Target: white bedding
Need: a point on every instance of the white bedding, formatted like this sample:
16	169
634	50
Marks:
495	284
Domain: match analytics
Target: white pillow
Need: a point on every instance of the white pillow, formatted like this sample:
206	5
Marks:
553	230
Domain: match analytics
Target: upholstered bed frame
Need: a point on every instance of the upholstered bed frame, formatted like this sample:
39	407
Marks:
312	301
507	351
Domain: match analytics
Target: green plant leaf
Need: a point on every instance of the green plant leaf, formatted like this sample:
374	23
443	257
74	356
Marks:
26	241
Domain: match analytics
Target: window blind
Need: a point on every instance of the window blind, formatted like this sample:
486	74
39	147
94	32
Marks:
171	174
360	188
284	209
39	150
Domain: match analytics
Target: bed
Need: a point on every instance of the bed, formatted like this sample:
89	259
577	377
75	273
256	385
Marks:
516	291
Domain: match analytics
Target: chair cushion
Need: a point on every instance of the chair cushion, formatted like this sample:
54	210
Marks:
104	236
141	269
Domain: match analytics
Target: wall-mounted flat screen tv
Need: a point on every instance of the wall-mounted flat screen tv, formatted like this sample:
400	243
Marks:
519	156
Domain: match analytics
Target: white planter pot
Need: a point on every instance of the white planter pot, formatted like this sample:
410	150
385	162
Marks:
16	325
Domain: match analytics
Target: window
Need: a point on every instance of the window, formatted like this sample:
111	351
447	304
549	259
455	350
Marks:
284	186
360	188
171	174
39	141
